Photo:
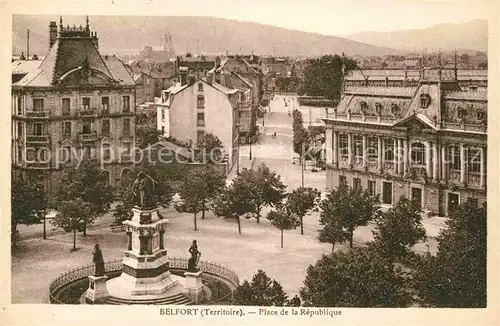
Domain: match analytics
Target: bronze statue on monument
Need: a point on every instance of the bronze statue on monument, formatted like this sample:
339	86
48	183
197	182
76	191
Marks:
195	257
143	190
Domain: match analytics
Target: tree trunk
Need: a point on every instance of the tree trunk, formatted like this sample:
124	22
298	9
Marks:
258	214
74	239
333	246
282	238
203	211
195	226
351	236
239	224
85	228
302	225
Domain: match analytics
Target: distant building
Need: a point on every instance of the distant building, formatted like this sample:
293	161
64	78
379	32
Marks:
74	101
195	107
161	53
427	142
197	66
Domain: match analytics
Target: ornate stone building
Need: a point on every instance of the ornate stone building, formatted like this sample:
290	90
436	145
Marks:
427	142
73	105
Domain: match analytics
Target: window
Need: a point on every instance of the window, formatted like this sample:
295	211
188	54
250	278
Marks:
356	183
105	103
106	151
372	187
105	127
388	149
38	129
480	115
126	104
454	156
86	103
66	106
201	119
342	180
358	148
67	128
474	160
425	101
127	148
162	130
364	106
378	108
19	154
394	109
30	155
87	127
37	104
387	193
65	154
162	114
201	101
372	150
20	130
200	87
126	124
200	134
343	145
418	153
19	105
92	152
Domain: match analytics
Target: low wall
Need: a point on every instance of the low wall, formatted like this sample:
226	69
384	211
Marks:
214	271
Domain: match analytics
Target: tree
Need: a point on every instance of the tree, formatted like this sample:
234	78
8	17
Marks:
28	204
89	183
199	188
262	291
265	187
209	149
233	202
301	201
323	76
456	276
398	230
301	136
343	210
464	57
163	192
283	219
356	278
147	136
72	216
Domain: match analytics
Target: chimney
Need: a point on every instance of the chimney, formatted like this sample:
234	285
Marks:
210	77
183	75
191	79
52	33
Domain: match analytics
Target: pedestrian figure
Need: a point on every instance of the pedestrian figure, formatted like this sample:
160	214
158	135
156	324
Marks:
274	135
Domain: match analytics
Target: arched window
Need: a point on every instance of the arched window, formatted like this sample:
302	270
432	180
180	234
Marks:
418	153
201	101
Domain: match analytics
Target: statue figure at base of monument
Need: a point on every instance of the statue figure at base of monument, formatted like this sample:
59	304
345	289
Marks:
98	261
195	257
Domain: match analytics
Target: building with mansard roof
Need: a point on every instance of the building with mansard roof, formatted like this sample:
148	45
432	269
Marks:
427	142
74	104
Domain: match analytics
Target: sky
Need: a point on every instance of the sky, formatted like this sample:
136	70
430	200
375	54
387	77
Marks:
330	17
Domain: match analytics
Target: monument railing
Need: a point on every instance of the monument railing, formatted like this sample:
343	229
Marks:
83	272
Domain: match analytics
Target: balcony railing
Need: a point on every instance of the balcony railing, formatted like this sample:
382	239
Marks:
39	139
88	113
88	137
388	166
473	179
38	114
105	110
454	175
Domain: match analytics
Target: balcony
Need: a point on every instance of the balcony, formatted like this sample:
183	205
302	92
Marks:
37	139
473	179
37	114
389	166
38	165
88	137
105	110
88	113
454	176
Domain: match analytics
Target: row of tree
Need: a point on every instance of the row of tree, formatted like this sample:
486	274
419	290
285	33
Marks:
387	273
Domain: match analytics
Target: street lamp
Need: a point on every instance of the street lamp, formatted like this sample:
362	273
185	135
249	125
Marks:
250	154
238	148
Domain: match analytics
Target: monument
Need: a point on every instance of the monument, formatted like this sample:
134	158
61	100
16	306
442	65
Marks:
97	291
145	265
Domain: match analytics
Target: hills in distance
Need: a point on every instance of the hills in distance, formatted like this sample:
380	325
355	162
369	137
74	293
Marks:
122	35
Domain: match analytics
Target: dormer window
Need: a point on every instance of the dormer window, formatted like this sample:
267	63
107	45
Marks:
480	115
364	107
425	101
394	109
378	108
200	87
461	113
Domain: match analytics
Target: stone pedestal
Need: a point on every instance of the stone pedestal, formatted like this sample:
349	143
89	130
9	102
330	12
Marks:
145	265
97	291
193	286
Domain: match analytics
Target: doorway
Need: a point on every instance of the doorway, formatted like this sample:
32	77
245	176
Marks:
453	201
416	197
387	192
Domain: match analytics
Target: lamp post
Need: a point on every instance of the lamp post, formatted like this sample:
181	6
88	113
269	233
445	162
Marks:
238	148
250	154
